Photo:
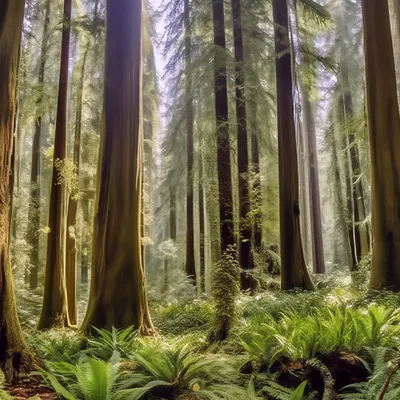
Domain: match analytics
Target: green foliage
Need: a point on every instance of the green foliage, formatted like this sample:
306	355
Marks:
386	363
178	318
225	291
105	343
176	369
325	331
90	379
64	346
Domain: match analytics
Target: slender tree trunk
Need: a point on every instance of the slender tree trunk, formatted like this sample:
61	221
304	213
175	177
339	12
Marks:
257	195
223	140
71	258
314	195
14	353
34	200
118	294
172	227
201	223
85	235
394	8
54	309
190	258
293	268
341	211
384	133
358	230
245	228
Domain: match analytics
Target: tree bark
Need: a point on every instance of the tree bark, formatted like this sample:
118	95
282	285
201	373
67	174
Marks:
340	207
257	194
358	231
14	353
384	133
223	140
118	294
201	223
71	258
293	268
247	282
34	200
314	195
394	8
190	257
54	310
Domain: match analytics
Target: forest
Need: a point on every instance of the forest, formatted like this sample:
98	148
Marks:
200	200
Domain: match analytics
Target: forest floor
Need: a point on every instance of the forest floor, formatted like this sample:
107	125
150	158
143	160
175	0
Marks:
337	342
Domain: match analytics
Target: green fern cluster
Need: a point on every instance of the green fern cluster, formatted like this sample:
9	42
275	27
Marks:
384	380
327	331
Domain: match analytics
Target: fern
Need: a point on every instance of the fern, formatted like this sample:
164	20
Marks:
105	343
384	362
177	369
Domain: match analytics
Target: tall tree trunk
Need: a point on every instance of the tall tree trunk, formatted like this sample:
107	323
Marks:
384	133
201	223
172	227
118	294
245	232
257	195
14	353
394	7
227	235
341	211
34	200
54	309
223	140
358	230
293	268
314	195
85	236
302	151
190	258
71	258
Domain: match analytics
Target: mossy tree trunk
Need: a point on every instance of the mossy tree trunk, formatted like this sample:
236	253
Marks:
190	257
118	294
54	309
245	228
293	267
34	200
227	236
71	245
14	353
384	133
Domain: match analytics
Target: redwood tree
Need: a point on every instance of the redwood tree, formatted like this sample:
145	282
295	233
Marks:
384	134
293	267
54	309
14	352
223	141
34	200
117	294
245	231
71	253
190	258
